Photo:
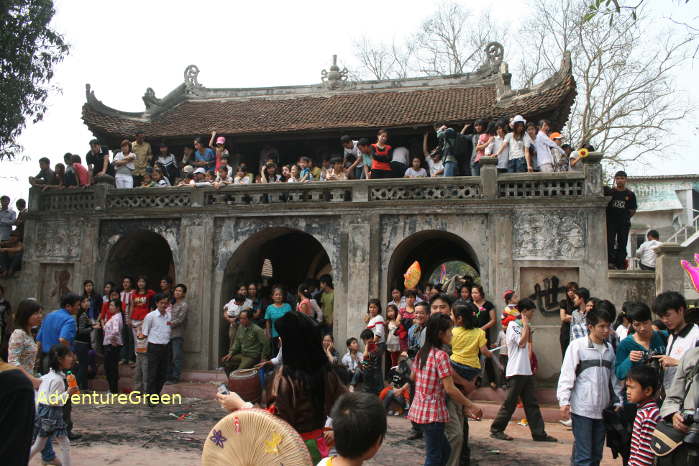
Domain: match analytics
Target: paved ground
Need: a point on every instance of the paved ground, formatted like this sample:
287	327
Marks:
140	436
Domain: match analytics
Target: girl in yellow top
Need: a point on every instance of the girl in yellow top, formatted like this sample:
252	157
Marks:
468	340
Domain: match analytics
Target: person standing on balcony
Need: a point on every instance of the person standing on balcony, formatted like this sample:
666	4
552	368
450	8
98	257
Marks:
144	156
498	148
97	159
544	147
203	156
399	161
364	148
620	209
514	144
381	156
646	252
481	140
124	166
447	140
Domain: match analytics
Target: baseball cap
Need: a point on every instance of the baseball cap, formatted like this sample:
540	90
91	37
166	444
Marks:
200	170
556	136
220	140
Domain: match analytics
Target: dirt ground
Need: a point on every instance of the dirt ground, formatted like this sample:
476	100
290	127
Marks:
139	436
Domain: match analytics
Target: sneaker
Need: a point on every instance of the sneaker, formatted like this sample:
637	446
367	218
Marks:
567	422
546	438
500	436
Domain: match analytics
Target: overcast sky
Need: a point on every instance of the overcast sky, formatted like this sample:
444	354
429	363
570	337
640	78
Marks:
122	48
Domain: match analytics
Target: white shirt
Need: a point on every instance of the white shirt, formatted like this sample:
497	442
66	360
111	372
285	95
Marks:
243	180
434	166
493	149
515	147
7	219
52	383
622	332
677	346
646	252
278	360
233	309
351	363
155	327
400	154
518	362
124	169
354	151
376	325
412	173
544	145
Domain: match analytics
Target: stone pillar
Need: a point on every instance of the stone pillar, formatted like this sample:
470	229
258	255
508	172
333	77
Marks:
501	266
489	177
100	195
669	275
362	278
592	169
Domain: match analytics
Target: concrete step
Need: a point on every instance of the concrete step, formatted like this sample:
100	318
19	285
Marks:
545	396
550	413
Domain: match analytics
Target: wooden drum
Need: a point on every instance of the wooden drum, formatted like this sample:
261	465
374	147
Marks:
246	383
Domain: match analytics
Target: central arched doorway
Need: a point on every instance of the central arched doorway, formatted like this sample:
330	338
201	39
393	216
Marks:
431	248
140	253
289	257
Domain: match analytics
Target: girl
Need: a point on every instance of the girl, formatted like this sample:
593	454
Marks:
51	397
222	177
159	179
286	174
392	339
483	141
486	319
415	170
464	295
433	382
94	311
113	342
409	311
304	305
381	156
167	165
23	349
467	342
240	176
275	311
294	174
219	148
375	322
495	147
329	348
142	305
82	341
622	324
567	307
514	144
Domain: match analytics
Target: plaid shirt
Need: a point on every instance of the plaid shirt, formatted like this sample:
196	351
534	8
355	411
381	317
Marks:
578	325
429	404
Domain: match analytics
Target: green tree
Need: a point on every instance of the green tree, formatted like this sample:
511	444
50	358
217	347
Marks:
29	50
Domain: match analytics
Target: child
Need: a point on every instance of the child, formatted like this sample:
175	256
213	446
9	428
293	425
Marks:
392	339
294	174
399	389
468	340
337	172
359	427
240	176
159	179
305	174
510	312
416	170
147	181
521	379
351	359
51	397
371	363
583	387
641	385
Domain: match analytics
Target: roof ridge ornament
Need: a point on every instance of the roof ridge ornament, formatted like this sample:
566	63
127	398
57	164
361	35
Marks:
191	83
494	52
335	78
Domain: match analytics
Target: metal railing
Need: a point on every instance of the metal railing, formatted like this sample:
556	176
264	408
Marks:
687	231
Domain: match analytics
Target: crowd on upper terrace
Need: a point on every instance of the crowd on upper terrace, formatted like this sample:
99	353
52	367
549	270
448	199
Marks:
519	146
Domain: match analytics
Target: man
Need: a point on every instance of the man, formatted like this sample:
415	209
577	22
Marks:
97	159
364	149
620	209
144	156
578	324
59	327
352	156
327	301
166	288
128	354
671	307
45	177
178	313
21	205
69	178
250	346
231	311
447	139
646	252
157	328
544	145
681	398
521	378
7	218
11	252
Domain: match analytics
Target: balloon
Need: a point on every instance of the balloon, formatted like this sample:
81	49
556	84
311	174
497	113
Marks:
692	271
412	276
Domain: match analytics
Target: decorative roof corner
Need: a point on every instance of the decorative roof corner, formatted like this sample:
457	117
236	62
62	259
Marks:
191	81
503	85
335	78
152	102
494	52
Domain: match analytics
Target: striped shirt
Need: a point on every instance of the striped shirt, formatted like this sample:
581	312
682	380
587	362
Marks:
643	426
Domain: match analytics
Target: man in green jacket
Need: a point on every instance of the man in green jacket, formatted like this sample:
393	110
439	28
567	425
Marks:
249	347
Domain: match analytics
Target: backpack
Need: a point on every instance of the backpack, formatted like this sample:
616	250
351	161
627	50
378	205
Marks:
462	147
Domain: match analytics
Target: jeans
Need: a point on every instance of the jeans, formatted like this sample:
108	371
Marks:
521	386
517	165
127	351
475	169
454	432
589	440
437	448
359	173
175	371
450	169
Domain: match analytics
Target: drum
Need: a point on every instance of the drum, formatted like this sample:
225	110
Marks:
246	383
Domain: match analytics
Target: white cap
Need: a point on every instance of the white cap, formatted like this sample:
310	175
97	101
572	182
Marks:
200	170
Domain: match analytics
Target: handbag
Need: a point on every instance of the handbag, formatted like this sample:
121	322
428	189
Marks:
665	439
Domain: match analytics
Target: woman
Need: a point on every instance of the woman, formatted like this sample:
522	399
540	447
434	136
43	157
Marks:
112	343
514	144
482	139
305	389
274	312
567	307
381	157
304	301
464	295
257	316
432	373
329	348
22	348
498	149
642	343
376	323
82	341
124	166
94	311
529	149
486	319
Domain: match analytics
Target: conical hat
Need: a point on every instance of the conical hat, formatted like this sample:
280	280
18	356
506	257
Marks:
254	437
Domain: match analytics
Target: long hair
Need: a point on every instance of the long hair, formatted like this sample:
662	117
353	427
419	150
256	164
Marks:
435	325
304	357
26	309
467	312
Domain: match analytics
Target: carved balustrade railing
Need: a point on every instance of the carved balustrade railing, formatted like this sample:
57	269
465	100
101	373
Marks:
541	185
67	199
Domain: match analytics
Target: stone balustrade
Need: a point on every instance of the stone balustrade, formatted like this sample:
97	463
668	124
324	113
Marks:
490	186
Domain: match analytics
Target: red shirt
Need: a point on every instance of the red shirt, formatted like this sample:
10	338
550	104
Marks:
104	312
141	304
82	174
430	401
381	159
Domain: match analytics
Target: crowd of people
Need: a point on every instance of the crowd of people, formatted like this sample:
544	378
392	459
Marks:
519	146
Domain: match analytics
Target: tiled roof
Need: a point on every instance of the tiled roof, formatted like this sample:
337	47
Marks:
348	110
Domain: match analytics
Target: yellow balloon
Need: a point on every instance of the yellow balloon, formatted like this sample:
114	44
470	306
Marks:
412	276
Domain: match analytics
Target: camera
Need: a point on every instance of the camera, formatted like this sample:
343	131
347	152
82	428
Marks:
692	420
649	359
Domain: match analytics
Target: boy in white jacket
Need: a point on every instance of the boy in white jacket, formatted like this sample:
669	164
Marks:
587	385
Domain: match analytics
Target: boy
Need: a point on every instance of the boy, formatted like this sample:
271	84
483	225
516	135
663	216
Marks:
578	326
359	426
641	385
584	387
620	209
305	170
351	359
521	379
371	363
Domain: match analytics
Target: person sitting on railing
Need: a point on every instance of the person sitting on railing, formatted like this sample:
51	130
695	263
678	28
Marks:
646	252
59	172
81	173
45	177
336	172
222	177
415	170
70	179
381	156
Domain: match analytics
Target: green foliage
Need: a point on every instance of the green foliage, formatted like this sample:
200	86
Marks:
29	49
